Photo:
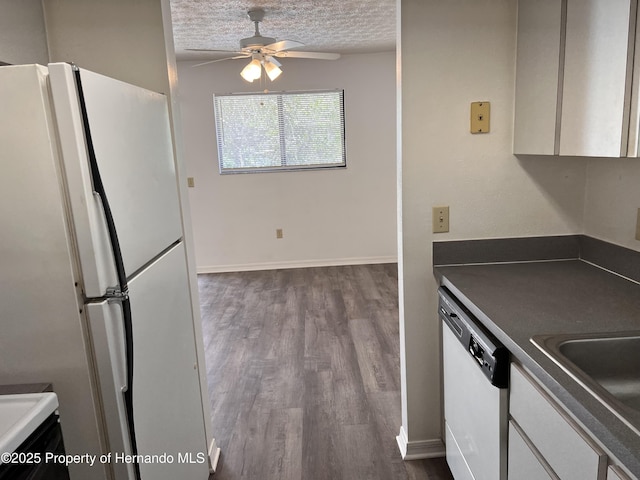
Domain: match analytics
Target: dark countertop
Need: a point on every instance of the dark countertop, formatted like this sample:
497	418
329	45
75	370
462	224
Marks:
518	300
25	388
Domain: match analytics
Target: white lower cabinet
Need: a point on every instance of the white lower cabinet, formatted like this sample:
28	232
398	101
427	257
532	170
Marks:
540	429
523	461
614	473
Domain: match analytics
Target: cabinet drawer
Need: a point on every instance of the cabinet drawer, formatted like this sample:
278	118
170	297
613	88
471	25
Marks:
523	462
564	446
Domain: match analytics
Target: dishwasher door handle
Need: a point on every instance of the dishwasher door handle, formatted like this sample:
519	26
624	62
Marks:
453	321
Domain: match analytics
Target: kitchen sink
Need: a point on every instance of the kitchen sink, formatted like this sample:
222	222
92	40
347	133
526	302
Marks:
607	365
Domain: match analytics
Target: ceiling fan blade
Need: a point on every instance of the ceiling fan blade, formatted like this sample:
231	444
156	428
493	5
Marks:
212	50
283	45
220	60
315	55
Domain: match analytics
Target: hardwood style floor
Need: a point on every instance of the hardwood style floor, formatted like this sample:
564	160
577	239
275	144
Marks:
304	375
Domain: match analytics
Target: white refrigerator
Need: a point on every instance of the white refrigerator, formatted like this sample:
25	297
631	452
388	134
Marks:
94	290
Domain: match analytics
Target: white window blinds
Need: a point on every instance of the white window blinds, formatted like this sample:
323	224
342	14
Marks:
280	131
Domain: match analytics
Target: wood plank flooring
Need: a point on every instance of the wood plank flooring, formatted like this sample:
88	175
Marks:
304	375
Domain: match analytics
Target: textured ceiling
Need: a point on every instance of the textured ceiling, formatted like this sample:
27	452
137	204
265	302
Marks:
326	26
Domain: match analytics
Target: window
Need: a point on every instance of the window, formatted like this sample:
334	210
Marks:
280	131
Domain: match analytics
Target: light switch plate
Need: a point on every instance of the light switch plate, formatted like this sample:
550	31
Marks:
480	116
191	182
638	226
440	219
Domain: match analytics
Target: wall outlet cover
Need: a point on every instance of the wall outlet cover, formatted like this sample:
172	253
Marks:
480	116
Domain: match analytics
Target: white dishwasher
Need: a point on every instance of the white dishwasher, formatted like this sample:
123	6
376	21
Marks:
475	367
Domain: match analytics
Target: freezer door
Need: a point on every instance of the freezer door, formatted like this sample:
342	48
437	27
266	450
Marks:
108	340
127	128
167	403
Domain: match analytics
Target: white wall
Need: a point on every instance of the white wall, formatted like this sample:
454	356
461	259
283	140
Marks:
612	200
119	38
328	217
22	32
453	53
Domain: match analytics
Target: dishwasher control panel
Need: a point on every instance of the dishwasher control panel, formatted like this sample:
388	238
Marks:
477	351
490	355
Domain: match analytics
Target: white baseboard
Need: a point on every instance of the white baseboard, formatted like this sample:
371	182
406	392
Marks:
214	456
247	267
416	450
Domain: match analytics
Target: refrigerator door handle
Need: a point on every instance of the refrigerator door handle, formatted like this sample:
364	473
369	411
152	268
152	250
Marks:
108	339
117	346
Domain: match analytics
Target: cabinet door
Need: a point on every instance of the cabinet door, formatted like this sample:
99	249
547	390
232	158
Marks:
538	76
633	148
523	462
598	63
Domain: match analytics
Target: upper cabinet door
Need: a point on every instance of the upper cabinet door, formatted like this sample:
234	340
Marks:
598	64
538	76
633	148
574	78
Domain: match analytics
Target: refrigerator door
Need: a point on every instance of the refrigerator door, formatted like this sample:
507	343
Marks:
167	408
127	128
166	397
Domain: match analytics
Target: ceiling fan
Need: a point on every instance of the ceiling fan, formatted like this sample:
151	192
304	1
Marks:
263	52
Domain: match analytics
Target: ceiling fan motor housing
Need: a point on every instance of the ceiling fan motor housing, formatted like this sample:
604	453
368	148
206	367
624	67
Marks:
256	41
256	15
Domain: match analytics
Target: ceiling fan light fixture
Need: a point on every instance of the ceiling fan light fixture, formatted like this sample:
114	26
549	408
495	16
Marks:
252	71
273	71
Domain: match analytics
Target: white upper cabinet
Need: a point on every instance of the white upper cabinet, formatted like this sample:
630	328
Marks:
538	76
597	78
574	78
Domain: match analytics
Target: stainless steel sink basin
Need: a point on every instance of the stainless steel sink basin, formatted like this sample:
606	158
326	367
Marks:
607	365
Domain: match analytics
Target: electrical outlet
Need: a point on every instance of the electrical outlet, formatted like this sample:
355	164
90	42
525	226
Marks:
279	233
440	219
638	226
